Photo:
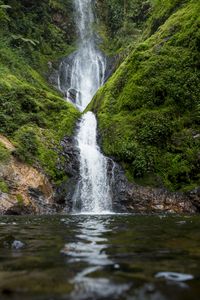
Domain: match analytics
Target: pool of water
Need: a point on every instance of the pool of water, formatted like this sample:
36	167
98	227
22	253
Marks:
100	257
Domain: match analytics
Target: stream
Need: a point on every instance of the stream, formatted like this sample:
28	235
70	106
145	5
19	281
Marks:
100	257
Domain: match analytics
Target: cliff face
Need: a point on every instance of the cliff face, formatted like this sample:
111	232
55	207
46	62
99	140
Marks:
148	111
23	188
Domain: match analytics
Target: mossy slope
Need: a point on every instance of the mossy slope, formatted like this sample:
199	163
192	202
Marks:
33	115
149	111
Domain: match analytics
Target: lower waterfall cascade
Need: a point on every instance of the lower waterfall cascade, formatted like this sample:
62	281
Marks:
93	190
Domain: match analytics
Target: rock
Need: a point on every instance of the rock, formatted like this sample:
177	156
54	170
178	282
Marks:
11	242
58	18
20	178
10	206
17	245
173	276
73	94
7	202
194	197
129	197
64	194
50	65
41	204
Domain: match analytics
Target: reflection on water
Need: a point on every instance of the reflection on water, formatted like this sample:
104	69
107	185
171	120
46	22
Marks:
100	257
91	247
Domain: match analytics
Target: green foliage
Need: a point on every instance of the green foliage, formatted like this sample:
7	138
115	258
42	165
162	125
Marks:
33	114
121	22
41	147
4	154
38	29
27	145
20	199
3	186
148	111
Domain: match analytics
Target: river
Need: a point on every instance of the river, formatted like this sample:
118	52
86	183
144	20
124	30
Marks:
100	257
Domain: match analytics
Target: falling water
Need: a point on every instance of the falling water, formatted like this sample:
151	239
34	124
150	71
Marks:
87	72
88	68
93	193
82	73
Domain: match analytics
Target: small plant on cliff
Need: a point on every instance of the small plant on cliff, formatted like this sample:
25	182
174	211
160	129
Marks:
4	153
3	186
20	200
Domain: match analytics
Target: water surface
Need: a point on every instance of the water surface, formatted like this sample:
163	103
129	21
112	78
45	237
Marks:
100	257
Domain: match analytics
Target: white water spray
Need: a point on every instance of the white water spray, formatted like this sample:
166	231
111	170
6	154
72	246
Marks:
87	75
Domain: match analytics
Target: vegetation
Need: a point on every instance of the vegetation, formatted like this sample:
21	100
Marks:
4	154
3	187
20	199
149	110
33	114
121	23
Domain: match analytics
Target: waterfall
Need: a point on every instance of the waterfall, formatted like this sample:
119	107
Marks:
88	67
93	192
87	73
83	72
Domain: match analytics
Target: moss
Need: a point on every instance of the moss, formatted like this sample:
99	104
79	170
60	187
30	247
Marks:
41	147
4	154
3	186
148	111
20	199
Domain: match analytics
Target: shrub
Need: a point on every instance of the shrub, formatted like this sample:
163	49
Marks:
4	153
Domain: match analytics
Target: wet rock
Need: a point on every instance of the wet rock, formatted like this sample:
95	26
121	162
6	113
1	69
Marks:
173	276
111	66
64	194
61	79
194	197
129	197
10	206
8	203
17	245
41	203
12	243
58	76
73	94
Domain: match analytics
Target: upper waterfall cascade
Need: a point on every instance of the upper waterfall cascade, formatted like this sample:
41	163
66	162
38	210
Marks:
79	80
84	72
